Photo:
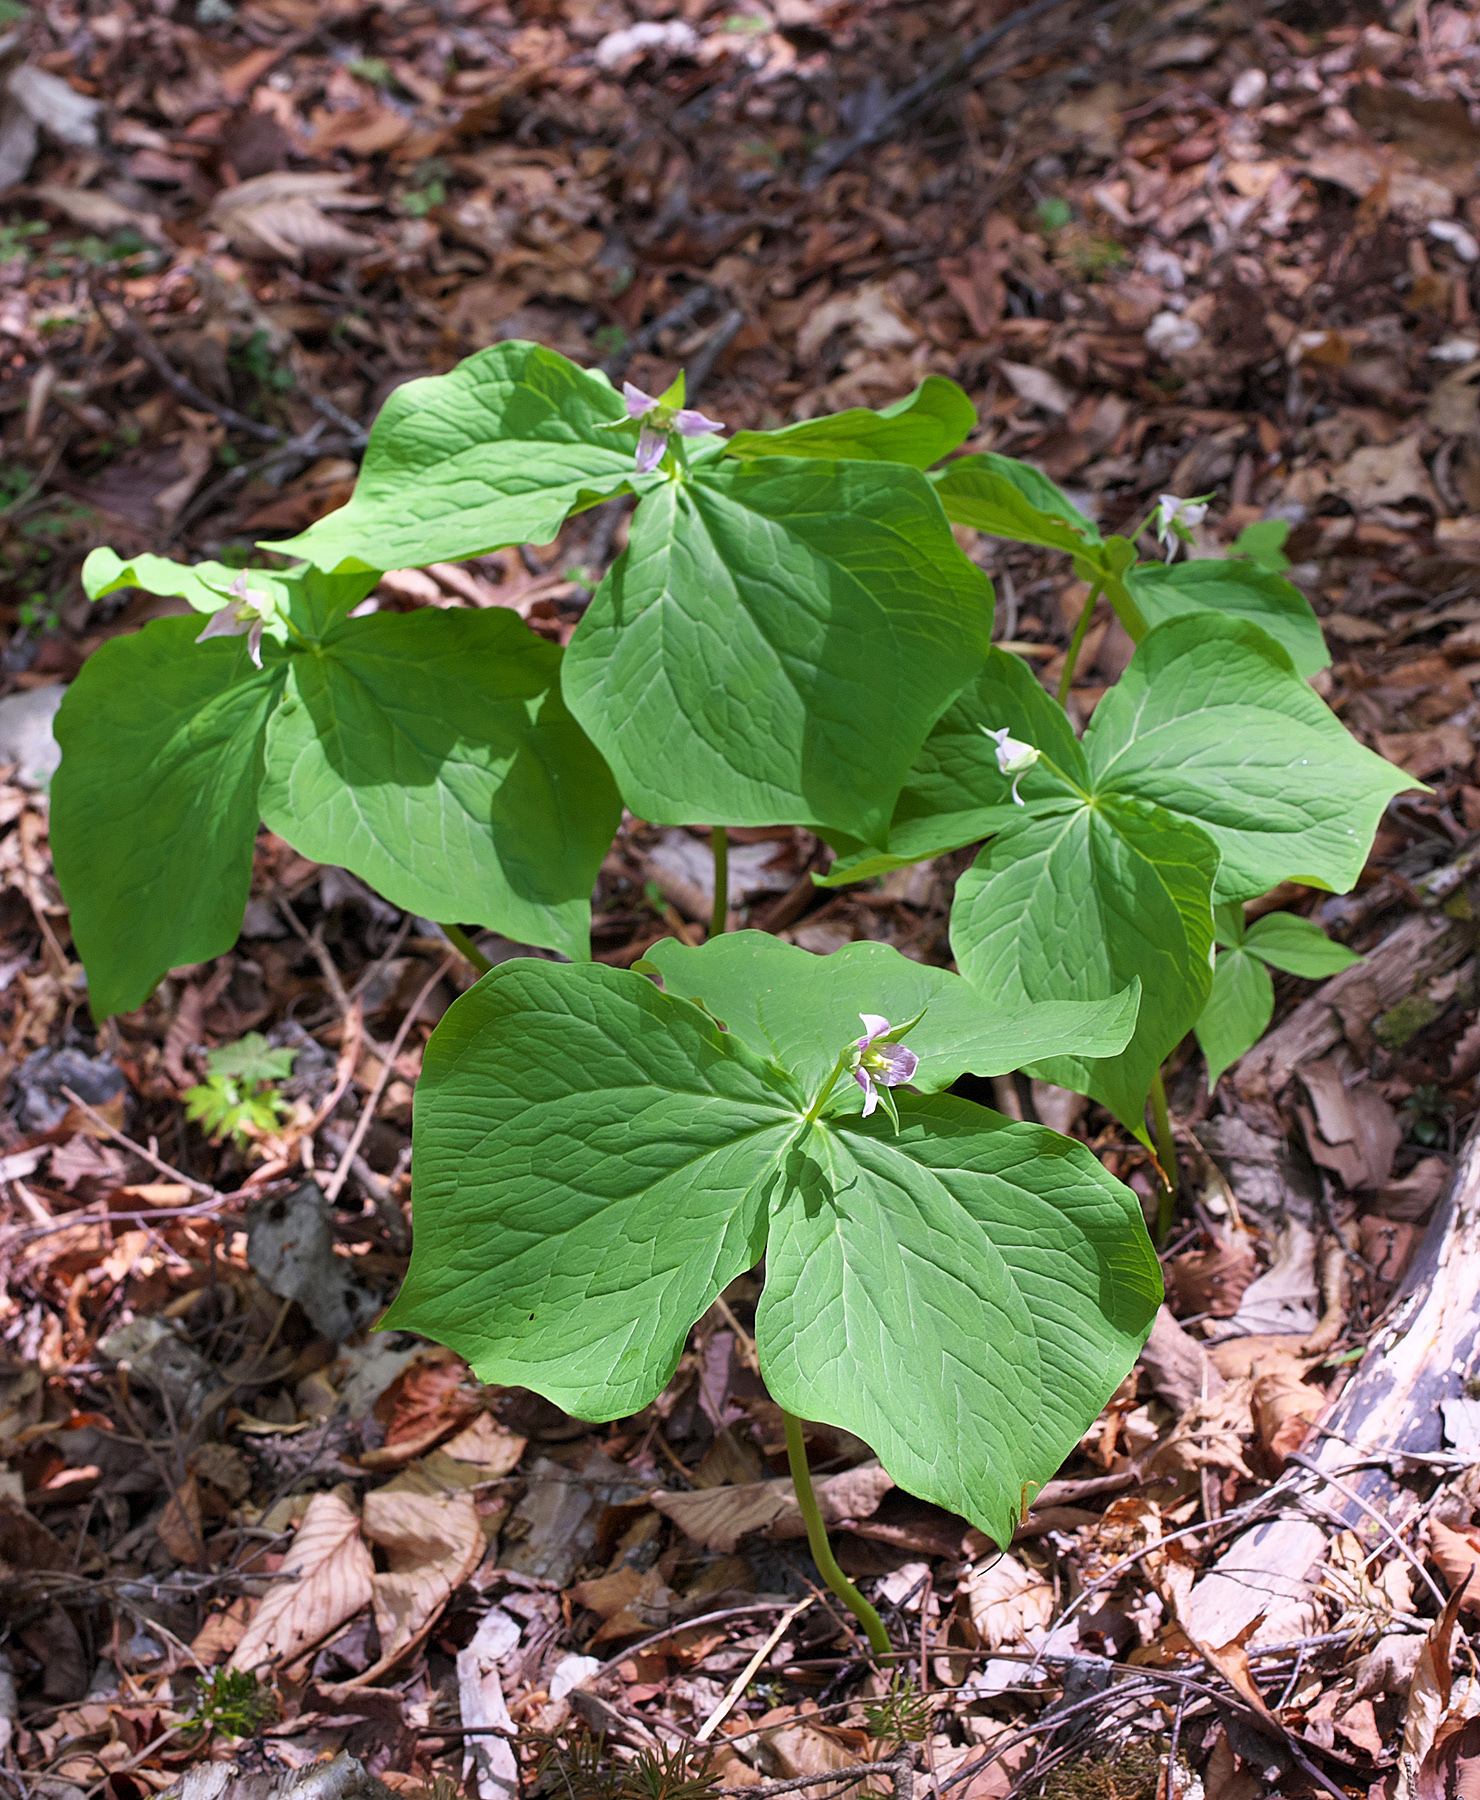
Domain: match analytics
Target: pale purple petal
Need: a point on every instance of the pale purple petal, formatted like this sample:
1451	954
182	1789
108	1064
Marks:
694	424
639	404
225	624
899	1064
254	642
875	1024
870	1092
650	447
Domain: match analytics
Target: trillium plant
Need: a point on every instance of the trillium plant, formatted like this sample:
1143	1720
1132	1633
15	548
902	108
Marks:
792	635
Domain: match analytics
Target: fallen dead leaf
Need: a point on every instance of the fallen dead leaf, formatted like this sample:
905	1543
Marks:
719	1517
433	1542
1213	1278
1456	1555
1386	475
334	1579
1005	1601
282	214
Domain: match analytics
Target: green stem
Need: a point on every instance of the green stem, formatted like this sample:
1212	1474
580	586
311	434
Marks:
460	941
1166	1155
719	843
1076	643
801	1480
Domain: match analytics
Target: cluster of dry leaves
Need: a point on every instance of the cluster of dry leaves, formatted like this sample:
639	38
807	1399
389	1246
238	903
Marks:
1166	247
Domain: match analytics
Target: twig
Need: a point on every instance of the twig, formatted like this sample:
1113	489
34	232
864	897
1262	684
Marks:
155	1162
681	1625
397	1226
144	342
1346	1493
712	349
743	1679
681	313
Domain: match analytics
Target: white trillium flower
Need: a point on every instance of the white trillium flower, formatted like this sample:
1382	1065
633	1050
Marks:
244	615
1014	757
1177	519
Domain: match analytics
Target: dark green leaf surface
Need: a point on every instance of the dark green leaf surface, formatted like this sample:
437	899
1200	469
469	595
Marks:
799	1009
1011	499
1239	1006
920	429
1240	589
154	807
498	452
775	643
1072	903
431	753
595	1160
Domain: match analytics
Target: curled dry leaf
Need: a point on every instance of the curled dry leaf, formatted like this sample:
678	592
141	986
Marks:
432	1543
1284	1408
1428	1700
429	1400
719	1517
1455	1555
282	214
334	1579
1005	1602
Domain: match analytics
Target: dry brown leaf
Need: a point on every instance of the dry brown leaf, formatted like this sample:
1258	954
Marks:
429	1400
1179	1366
1284	1408
334	1580
1428	1697
1037	387
179	1524
223	1631
1357	1132
1386	475
1005	1601
1213	1278
432	1542
489	1447
1210	1434
804	1748
719	1517
1456	1554
281	214
868	310
993	1782
1425	753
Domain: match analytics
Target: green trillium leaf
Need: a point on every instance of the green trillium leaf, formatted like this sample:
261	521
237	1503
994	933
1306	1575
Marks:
311	598
1237	588
596	1160
798	1009
1011	499
775	643
499	451
154	808
431	753
1239	1006
920	429
1298	946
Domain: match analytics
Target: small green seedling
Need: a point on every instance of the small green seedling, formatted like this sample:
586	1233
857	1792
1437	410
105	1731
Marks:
237	1098
233	1702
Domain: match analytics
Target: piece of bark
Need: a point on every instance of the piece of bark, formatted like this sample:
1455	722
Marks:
1417	1362
344	1777
1421	947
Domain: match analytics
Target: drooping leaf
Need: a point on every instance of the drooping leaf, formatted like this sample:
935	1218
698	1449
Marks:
431	753
1011	499
1240	1004
1241	589
499	451
965	1294
205	585
154	808
920	429
799	1009
775	643
1072	902
1211	721
1298	946
310	597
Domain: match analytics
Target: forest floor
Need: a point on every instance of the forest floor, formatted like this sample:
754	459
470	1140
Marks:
1182	247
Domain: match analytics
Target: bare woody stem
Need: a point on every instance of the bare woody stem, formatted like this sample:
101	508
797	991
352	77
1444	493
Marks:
1076	643
719	843
801	1480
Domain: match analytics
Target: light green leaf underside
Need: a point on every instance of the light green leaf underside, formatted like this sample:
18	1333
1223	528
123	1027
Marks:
1298	946
1072	903
775	643
431	753
1239	1006
310	597
803	1010
920	429
1239	589
154	807
595	1160
498	452
1011	499
1211	721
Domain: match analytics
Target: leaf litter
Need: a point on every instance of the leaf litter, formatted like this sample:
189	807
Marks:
1165	250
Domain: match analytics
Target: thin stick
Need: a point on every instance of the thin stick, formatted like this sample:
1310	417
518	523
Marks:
341	1169
1166	1156
827	1565
719	843
746	1675
1372	1513
1076	643
460	941
200	1187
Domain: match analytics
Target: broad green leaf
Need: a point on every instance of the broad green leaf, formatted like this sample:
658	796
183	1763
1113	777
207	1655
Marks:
1011	499
500	451
1240	589
1298	946
1263	543
1211	721
954	793
1076	900
799	1009
1239	1006
596	1159
431	753
775	643
920	429
154	807
252	1059
1228	924
306	595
